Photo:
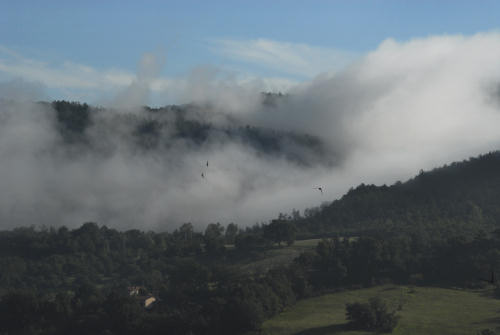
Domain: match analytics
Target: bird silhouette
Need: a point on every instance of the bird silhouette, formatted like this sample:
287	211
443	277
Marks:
207	163
202	175
320	189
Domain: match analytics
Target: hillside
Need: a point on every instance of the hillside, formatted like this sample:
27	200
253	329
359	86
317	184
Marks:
462	195
426	310
437	229
191	127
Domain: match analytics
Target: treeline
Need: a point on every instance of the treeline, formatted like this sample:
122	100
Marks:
100	254
406	259
456	198
191	125
440	228
195	299
76	281
50	259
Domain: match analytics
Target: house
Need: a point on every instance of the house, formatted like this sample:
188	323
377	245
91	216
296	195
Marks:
149	301
136	290
142	295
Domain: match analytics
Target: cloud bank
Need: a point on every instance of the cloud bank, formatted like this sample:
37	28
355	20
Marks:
297	59
403	107
80	82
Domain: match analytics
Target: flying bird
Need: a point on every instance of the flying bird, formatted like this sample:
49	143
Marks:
320	189
207	163
202	175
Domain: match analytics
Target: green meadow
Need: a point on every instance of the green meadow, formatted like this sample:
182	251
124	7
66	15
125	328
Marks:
425	310
279	256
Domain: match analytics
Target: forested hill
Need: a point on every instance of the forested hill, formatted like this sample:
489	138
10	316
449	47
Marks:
188	127
462	196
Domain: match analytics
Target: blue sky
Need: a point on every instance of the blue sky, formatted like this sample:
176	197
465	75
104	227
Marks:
75	43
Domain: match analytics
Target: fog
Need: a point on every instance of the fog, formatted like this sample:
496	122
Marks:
400	108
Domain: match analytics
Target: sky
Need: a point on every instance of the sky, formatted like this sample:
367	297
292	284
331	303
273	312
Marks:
88	50
388	87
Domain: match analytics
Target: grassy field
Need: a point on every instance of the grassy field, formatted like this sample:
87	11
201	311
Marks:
426	310
279	256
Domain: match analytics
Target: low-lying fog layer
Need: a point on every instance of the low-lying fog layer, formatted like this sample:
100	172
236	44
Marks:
401	108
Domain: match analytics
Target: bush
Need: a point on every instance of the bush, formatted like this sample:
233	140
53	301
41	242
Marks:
487	332
371	316
496	292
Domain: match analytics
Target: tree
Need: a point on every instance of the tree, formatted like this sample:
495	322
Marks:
247	242
185	241
19	310
231	232
73	119
280	231
186	231
486	331
330	260
122	312
371	316
214	238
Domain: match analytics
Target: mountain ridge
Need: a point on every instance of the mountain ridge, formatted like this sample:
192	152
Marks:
461	193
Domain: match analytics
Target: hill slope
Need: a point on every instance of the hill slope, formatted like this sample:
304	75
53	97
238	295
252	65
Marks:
426	310
190	127
462	194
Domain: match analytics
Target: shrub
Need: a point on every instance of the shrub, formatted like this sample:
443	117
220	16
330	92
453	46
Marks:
487	332
371	316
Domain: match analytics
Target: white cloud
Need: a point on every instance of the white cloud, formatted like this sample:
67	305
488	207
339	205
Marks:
290	58
74	81
68	75
406	105
402	107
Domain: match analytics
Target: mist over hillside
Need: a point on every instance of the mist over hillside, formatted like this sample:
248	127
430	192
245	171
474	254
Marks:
67	163
403	107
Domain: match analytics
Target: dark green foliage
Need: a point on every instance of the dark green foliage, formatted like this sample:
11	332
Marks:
231	233
73	119
185	126
124	315
280	231
193	130
497	291
17	311
401	259
75	281
486	332
250	241
214	238
81	277
457	198
330	257
371	316
302	149
73	273
148	133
